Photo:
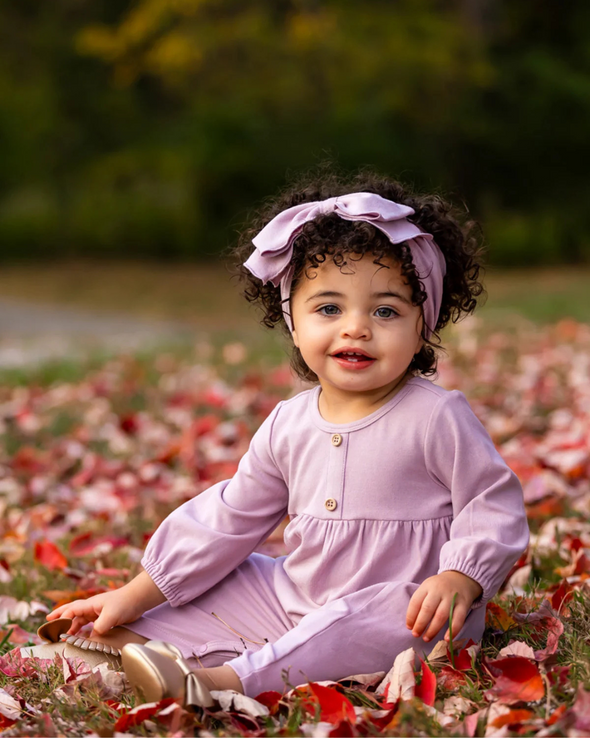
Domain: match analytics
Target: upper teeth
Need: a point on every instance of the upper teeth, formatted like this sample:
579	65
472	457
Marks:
351	353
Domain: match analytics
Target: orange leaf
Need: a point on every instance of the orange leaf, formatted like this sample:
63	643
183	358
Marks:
556	714
426	690
49	555
551	507
498	618
514	716
63	596
516	679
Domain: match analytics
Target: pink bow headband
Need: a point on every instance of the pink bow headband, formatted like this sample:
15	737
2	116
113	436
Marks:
271	259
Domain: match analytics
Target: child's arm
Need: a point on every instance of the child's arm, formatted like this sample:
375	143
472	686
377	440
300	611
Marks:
489	531
206	538
109	609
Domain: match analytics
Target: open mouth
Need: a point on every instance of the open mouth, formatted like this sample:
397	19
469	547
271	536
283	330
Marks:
353	357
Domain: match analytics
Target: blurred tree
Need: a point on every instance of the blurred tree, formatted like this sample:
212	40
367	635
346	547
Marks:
268	86
149	127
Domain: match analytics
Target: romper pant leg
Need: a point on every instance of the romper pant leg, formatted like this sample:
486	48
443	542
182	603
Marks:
357	634
242	611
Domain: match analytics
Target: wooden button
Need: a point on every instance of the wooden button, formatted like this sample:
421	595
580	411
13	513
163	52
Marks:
336	439
331	504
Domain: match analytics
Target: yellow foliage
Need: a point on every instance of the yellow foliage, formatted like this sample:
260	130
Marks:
144	21
101	41
174	52
309	29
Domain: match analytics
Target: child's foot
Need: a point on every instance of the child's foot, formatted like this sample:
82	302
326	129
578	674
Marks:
157	670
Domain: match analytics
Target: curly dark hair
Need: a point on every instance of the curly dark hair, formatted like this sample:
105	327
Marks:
330	236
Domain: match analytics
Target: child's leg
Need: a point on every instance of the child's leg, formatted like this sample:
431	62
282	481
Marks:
241	612
360	633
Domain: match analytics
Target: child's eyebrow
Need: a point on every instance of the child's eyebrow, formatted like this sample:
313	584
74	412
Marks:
379	295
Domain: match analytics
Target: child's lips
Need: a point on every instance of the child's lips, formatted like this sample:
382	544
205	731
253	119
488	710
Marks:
353	362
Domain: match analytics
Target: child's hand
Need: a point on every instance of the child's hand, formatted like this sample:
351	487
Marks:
106	610
431	603
110	609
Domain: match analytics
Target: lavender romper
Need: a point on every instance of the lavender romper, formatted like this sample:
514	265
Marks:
376	506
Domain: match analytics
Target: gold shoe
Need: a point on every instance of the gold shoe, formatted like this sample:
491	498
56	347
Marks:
157	670
54	633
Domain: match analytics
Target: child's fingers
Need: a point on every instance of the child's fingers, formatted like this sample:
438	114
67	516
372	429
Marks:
78	608
57	613
414	607
440	617
427	611
77	623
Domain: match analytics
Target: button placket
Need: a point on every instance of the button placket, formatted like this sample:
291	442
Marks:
335	481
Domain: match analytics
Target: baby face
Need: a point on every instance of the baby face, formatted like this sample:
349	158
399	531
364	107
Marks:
357	329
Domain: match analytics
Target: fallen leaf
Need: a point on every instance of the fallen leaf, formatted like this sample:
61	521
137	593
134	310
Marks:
400	680
517	648
426	690
515	679
9	707
512	717
230	700
270	699
49	555
141	713
498	618
333	705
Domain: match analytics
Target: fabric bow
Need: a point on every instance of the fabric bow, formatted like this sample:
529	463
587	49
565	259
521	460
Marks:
271	259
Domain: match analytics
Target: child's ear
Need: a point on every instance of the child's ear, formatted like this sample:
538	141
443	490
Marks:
295	339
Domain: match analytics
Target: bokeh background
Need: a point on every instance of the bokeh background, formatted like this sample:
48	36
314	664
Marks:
137	135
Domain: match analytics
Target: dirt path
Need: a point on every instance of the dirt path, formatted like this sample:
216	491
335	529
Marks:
30	333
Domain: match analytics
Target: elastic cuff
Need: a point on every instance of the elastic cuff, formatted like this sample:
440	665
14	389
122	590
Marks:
155	572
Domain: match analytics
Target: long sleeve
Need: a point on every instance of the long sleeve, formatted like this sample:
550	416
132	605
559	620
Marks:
489	530
204	539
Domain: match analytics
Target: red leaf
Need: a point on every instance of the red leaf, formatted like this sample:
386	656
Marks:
554	628
343	728
49	555
270	699
463	660
562	595
334	706
137	715
451	679
382	722
516	679
85	545
426	690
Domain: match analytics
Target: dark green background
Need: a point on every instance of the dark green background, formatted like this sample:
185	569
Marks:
487	101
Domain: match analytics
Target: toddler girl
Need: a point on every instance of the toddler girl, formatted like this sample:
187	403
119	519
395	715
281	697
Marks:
396	496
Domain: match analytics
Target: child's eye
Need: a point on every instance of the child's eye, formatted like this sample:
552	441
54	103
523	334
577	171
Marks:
385	312
329	310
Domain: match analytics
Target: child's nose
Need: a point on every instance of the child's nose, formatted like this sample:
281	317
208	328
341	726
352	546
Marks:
356	326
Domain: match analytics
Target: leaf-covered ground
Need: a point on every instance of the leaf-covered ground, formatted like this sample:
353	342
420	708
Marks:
91	465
